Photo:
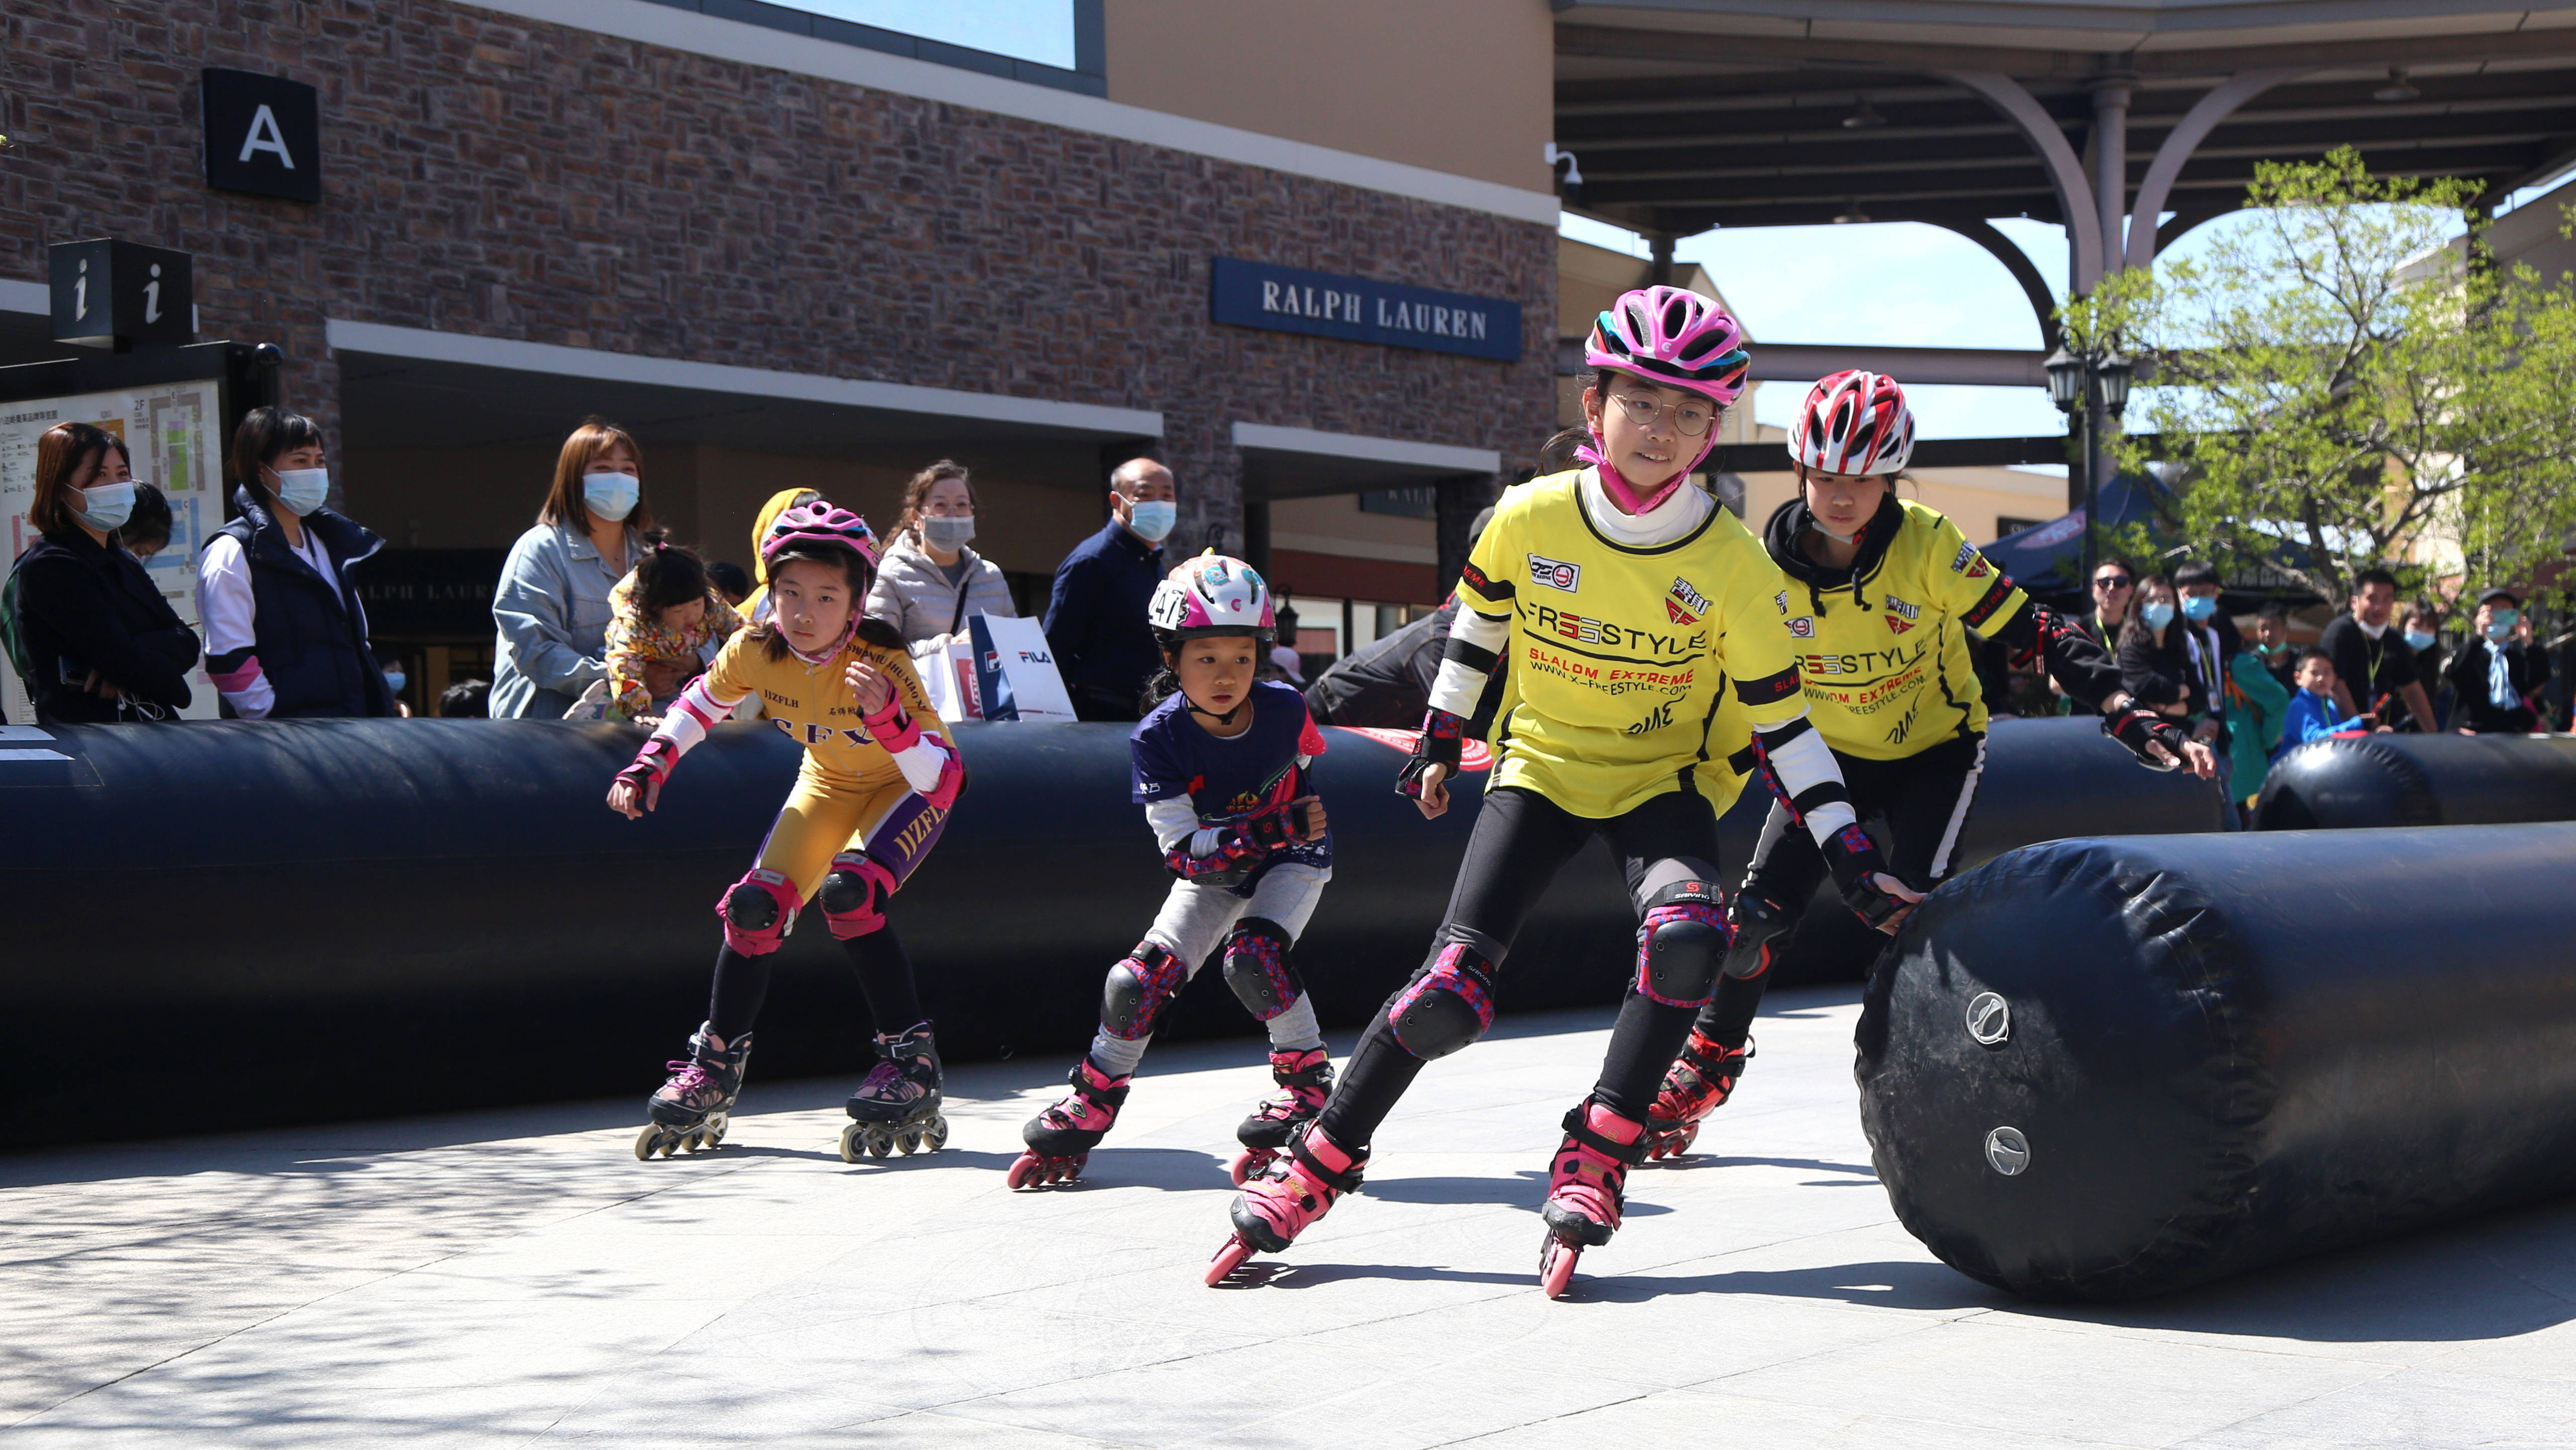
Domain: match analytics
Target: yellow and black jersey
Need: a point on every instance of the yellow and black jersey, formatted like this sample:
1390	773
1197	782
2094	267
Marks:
1624	659
1882	648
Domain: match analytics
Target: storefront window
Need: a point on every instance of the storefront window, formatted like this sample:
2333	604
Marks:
1040	31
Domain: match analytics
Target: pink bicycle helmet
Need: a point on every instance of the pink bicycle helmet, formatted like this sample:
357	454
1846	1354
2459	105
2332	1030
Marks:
820	522
1214	595
1676	338
1854	422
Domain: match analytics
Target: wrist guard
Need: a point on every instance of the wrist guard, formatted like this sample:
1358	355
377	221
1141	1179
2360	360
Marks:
891	727
1236	857
652	763
2136	727
1440	743
1276	829
1854	859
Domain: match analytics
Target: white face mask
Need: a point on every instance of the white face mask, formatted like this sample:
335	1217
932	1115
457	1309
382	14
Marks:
948	533
2368	628
106	506
612	496
301	490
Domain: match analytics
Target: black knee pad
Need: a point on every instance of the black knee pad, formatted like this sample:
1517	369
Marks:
1680	943
1257	968
845	892
1137	989
1760	925
1449	1004
752	907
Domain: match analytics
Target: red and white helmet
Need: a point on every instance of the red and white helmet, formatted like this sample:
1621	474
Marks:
1854	422
1213	595
1677	338
820	522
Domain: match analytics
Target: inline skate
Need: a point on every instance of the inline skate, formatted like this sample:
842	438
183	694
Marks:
1587	1188
897	1105
692	1110
1061	1138
1297	1189
1305	1080
1697	1084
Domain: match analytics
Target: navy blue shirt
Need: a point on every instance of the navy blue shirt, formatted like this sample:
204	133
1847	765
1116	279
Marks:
1225	780
1095	619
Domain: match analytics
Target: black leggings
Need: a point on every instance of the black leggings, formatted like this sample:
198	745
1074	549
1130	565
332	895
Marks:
1922	801
1521	840
878	959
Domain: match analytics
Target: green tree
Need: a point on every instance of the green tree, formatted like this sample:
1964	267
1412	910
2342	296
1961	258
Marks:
2343	377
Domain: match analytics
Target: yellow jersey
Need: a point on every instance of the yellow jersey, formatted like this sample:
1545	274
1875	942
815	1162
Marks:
1624	659
1885	658
813	704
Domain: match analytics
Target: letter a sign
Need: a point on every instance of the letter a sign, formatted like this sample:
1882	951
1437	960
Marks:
263	135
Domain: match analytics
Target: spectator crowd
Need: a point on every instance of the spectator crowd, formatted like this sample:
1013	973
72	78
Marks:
599	614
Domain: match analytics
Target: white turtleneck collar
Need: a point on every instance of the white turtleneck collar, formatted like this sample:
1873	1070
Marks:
1685	509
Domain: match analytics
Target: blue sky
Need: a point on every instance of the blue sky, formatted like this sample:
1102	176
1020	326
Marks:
1037	30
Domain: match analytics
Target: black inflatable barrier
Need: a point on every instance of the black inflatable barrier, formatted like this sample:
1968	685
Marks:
237	923
2420	780
2101	1069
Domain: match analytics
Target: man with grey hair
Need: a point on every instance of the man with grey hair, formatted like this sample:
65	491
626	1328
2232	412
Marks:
1095	618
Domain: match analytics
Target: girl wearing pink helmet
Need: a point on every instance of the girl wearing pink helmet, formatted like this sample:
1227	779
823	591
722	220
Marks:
1881	594
1632	608
871	797
1220	768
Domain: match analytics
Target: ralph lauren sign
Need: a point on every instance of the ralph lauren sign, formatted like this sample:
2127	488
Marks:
1290	299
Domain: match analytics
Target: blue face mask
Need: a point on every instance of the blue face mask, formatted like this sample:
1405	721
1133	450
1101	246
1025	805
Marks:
106	506
612	496
394	680
1152	519
2418	639
2157	615
2500	623
2199	607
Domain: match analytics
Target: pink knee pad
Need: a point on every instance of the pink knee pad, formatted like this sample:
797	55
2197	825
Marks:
758	913
854	895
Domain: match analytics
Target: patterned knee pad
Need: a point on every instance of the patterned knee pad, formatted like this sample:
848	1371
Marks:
758	913
1447	1006
1256	967
1137	989
1681	943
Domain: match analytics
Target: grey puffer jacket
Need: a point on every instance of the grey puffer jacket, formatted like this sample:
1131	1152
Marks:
913	595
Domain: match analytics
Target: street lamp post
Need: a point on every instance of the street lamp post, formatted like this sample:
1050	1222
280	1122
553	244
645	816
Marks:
2095	384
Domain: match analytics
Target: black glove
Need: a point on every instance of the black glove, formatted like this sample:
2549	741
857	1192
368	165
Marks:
1438	744
2136	727
1854	859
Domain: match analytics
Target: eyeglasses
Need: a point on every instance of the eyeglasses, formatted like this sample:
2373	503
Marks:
1691	416
2113	581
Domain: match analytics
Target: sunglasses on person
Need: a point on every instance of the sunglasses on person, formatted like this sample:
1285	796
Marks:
2112	581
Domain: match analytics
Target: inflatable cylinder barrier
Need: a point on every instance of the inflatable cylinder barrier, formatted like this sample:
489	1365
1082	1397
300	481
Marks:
2420	780
241	922
2100	1069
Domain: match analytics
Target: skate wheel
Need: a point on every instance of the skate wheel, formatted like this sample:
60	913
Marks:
646	1142
1227	1260
1023	1174
880	1143
1248	1164
1556	1265
850	1143
908	1143
936	1136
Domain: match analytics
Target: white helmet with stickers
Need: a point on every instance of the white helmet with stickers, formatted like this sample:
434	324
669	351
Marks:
1212	595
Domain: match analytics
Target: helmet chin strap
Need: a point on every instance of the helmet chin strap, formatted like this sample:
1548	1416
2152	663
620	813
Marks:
1631	500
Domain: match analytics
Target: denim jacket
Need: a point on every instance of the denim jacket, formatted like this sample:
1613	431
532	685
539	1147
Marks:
551	611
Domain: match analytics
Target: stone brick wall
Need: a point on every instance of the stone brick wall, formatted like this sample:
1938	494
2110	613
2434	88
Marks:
489	175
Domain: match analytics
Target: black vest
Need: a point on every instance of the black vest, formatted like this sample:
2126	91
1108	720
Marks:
310	638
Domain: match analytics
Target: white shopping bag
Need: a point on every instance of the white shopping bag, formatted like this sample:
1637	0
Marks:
947	673
1015	674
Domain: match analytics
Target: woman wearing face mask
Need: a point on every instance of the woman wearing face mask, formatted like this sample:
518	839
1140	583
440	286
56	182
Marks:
1631	606
2422	629
931	582
1882	595
2160	657
95	638
2497	673
552	608
285	634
